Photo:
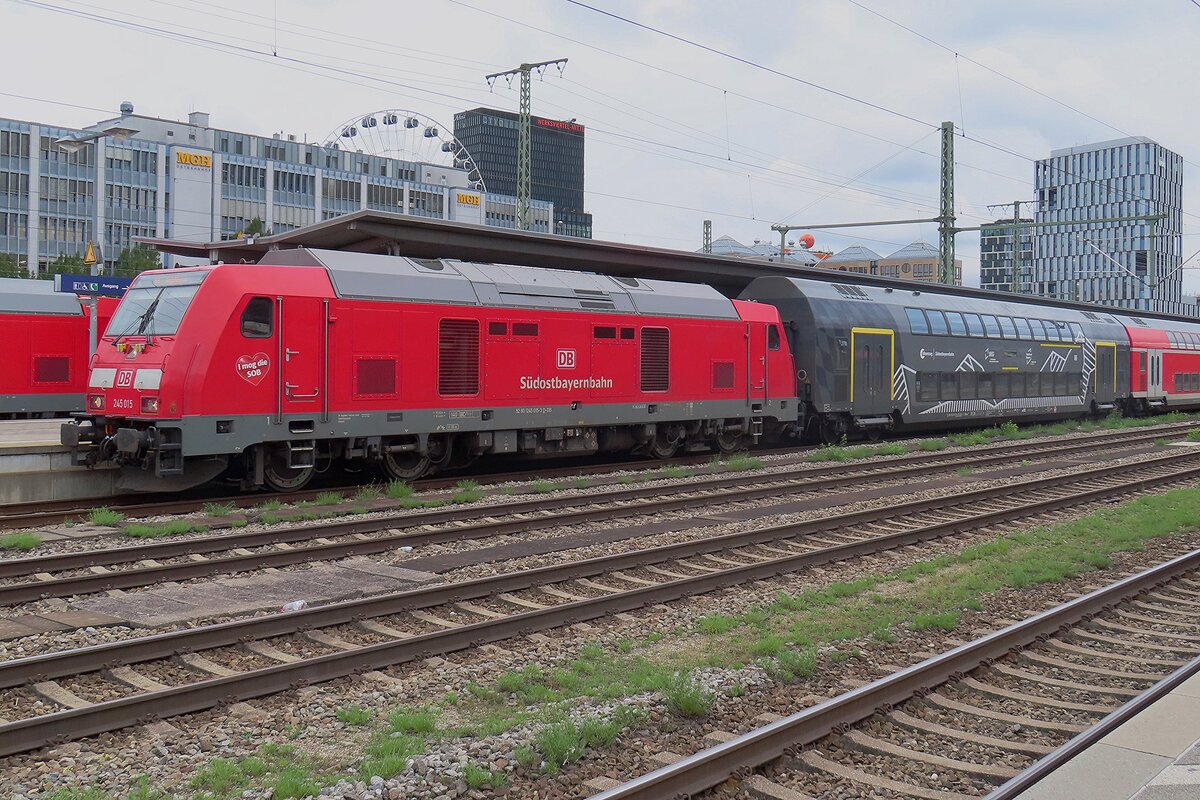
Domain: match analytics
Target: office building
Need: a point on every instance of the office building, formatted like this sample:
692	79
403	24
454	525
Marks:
135	175
997	264
1133	263
556	161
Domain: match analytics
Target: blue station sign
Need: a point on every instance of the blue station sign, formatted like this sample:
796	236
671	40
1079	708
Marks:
98	285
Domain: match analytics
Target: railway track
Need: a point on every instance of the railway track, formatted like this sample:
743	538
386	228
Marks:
992	716
27	515
72	694
81	572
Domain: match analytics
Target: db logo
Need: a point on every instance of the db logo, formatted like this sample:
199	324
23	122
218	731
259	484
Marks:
125	379
566	359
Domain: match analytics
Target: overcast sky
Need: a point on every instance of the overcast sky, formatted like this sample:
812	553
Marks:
676	134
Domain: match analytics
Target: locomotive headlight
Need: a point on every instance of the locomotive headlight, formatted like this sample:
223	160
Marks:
96	402
149	405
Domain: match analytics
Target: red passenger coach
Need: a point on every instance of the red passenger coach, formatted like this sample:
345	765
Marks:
1165	364
271	371
45	339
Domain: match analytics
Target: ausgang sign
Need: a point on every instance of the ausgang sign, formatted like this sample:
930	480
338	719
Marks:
193	159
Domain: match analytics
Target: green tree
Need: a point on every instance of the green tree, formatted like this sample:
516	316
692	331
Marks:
10	267
72	265
135	260
256	227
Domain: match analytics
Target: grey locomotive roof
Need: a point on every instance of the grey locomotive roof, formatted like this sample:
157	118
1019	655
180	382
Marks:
25	296
379	277
780	288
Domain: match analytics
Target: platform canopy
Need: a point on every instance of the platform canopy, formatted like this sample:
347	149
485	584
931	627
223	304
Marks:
417	237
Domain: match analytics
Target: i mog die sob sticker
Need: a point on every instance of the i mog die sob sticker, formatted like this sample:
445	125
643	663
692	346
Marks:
253	369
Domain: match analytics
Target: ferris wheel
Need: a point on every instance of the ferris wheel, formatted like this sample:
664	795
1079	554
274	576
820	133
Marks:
407	135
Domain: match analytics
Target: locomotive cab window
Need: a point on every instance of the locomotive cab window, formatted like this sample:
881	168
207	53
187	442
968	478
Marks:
525	329
604	332
258	318
772	337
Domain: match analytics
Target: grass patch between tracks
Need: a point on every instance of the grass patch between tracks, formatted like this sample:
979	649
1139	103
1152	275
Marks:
1008	431
19	541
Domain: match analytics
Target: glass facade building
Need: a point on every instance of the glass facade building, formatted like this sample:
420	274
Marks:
190	181
1129	264
556	154
996	262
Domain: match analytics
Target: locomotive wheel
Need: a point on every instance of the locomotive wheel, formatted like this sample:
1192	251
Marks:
279	477
729	443
405	466
661	447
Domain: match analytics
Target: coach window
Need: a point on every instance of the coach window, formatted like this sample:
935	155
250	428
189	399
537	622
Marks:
986	390
1007	328
1077	331
1039	330
949	386
1051	330
991	326
772	337
1023	329
258	318
937	322
974	324
916	320
957	326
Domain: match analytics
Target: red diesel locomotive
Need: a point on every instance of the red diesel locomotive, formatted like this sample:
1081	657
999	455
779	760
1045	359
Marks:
45	335
273	370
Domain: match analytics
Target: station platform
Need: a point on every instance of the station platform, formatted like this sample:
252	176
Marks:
1153	756
35	467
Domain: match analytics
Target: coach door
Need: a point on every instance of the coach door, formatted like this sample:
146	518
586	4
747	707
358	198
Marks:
872	357
1106	370
303	345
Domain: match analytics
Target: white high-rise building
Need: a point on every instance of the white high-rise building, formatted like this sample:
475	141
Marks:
1129	264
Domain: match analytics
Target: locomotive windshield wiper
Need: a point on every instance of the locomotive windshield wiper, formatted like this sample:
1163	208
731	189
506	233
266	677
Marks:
142	322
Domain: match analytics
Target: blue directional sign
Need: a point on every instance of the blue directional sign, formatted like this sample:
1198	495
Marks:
99	285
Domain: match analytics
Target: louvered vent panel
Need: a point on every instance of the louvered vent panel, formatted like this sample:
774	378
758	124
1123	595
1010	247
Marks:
458	356
375	376
656	359
51	369
852	292
722	375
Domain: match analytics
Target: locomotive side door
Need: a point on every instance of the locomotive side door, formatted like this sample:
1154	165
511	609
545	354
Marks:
303	348
756	365
872	362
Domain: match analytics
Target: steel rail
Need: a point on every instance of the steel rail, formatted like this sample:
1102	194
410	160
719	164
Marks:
24	670
1071	748
35	732
24	515
736	491
706	769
